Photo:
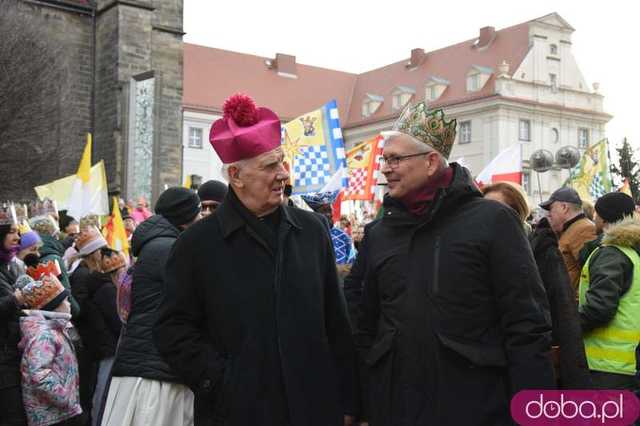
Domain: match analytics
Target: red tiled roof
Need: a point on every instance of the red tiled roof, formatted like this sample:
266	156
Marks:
451	63
211	75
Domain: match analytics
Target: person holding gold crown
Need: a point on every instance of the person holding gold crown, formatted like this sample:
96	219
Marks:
453	317
254	320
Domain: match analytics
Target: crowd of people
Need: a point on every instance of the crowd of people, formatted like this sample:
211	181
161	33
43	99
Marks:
236	307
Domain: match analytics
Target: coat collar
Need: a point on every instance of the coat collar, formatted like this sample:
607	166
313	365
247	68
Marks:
230	220
570	222
460	190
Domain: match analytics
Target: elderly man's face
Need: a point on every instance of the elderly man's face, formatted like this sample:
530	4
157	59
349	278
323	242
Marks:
410	173
260	183
559	214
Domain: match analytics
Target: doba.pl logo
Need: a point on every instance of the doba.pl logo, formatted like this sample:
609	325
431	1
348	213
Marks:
575	408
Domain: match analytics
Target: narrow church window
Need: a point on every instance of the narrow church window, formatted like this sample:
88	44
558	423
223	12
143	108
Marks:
142	138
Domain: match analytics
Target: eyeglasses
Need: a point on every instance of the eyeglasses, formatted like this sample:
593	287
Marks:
394	161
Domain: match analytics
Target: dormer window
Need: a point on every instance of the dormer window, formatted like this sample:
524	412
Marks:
401	97
477	77
370	104
553	49
435	87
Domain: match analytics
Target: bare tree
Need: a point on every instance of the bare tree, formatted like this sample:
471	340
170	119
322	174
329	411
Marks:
33	86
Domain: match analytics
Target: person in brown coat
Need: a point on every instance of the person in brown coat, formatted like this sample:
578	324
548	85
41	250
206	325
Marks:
568	221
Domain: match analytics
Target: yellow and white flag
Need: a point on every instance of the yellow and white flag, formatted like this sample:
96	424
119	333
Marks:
114	231
88	191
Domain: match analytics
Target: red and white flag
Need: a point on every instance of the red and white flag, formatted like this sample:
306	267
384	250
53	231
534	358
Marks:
506	167
363	163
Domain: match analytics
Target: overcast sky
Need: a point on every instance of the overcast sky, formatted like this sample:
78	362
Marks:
358	36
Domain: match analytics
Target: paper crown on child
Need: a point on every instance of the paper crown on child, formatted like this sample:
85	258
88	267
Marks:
45	294
43	269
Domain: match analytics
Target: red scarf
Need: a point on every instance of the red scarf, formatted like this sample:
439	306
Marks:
418	201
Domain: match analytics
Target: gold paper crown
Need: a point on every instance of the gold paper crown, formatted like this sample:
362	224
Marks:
428	127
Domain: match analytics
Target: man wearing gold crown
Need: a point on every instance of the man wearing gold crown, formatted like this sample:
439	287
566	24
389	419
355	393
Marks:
254	320
453	316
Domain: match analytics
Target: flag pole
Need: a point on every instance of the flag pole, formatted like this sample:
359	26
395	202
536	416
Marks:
539	187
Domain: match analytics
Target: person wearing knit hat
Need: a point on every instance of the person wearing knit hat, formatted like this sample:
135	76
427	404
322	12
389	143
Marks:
139	373
30	243
613	207
609	294
211	194
46	347
275	266
180	206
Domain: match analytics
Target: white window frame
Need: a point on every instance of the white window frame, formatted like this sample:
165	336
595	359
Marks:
465	132
193	142
369	107
553	49
553	80
555	135
521	135
433	92
584	136
473	82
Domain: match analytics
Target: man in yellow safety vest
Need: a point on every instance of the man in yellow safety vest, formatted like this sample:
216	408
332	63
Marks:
609	295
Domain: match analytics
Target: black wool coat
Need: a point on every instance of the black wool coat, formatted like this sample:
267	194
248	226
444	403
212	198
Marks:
567	334
255	322
98	324
137	354
9	327
454	317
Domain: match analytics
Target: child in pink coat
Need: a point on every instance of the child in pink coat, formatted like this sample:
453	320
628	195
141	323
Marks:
49	369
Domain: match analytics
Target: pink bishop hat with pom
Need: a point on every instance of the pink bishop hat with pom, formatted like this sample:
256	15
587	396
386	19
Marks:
244	131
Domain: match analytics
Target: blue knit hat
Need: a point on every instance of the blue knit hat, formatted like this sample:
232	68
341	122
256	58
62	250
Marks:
29	239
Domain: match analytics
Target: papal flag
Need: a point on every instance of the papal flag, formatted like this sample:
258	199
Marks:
88	193
591	177
114	231
314	148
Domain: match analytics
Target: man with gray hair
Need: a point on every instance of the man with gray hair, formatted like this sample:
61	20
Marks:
254	320
453	320
569	222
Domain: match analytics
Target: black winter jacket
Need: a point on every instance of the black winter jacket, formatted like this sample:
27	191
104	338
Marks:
9	328
454	316
566	332
137	354
98	324
610	273
255	322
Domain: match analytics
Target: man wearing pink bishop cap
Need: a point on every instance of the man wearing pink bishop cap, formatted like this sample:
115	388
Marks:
254	320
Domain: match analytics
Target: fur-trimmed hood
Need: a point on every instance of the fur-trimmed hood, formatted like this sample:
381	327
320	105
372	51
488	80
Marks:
624	233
